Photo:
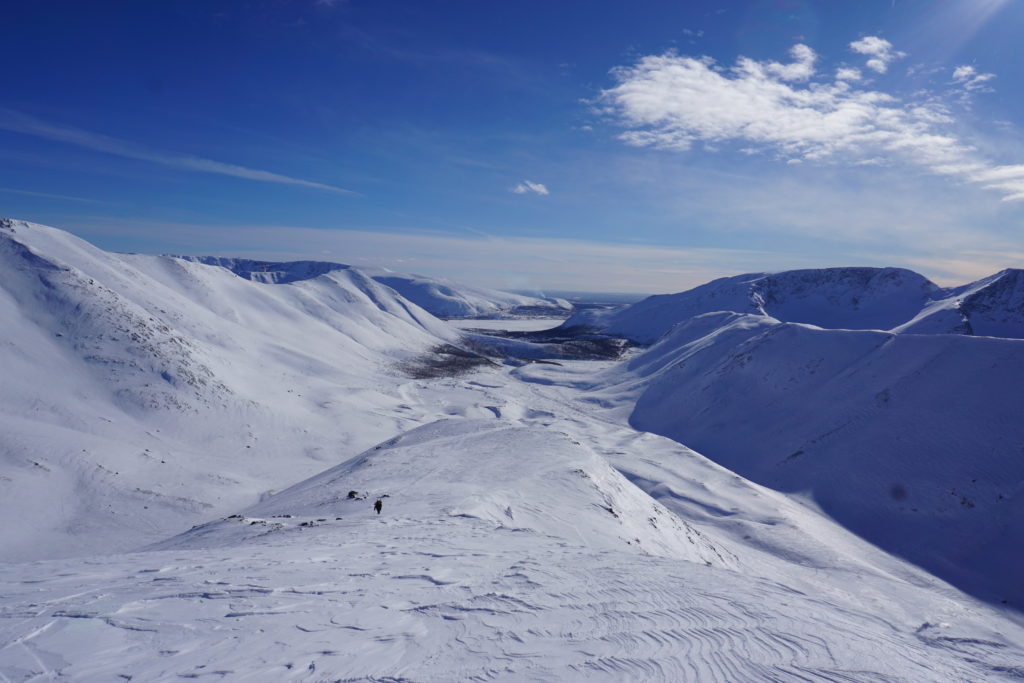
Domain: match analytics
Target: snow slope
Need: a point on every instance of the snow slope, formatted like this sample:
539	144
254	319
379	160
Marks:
911	441
144	393
511	569
442	297
498	472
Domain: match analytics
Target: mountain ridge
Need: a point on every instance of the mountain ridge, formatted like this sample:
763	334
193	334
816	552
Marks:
893	299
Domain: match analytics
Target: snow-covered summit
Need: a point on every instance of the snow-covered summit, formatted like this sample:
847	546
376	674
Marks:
834	298
270	272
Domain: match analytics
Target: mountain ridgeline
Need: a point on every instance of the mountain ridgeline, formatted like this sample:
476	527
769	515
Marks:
441	297
893	299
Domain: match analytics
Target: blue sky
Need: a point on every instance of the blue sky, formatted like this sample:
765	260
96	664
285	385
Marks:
642	146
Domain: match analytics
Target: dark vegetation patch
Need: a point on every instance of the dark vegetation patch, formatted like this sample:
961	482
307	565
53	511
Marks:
546	346
444	360
568	343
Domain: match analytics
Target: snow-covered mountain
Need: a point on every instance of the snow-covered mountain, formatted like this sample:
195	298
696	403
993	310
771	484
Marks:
836	298
134	387
441	297
233	432
911	441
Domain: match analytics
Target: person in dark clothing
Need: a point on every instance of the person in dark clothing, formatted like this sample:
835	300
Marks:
378	505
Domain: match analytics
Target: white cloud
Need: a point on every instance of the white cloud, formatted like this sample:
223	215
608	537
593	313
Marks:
879	50
22	123
971	80
800	69
526	186
49	195
847	74
671	101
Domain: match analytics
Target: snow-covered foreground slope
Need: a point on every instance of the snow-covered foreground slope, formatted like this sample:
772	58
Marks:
441	297
912	441
518	568
142	394
836	298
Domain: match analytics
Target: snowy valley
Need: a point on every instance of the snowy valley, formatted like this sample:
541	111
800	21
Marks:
810	475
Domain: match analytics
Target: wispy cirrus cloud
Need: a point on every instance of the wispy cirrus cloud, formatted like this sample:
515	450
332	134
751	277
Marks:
50	195
527	187
672	101
17	122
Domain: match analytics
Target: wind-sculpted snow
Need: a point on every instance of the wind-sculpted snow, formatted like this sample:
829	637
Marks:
455	600
912	441
441	297
509	568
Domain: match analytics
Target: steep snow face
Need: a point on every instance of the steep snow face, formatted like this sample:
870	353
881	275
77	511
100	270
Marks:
997	308
990	307
441	297
911	441
142	393
839	298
